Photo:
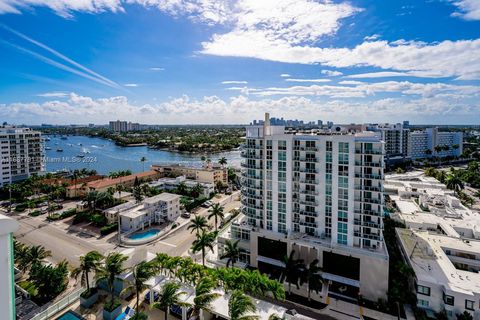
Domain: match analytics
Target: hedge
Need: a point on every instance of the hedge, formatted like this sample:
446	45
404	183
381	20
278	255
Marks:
108	229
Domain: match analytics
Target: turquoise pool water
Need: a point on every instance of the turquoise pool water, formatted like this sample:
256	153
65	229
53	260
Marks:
70	316
144	235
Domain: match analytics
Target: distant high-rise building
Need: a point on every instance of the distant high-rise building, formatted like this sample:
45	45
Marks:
21	154
320	123
431	142
123	126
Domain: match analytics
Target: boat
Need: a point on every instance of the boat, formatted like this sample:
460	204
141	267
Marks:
59	150
80	144
63	138
48	148
80	155
47	139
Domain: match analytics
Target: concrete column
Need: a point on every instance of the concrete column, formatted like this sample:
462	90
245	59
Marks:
184	313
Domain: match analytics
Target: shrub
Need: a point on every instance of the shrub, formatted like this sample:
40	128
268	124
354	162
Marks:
20	207
80	217
111	305
69	213
36	213
108	229
98	220
29	287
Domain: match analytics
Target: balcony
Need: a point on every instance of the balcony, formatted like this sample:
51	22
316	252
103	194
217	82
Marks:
252	146
303	159
369	224
252	195
367	200
310	192
308	202
368	188
308	213
369	164
309	181
252	176
303	148
369	212
305	170
251	166
247	155
369	176
372	151
308	224
251	205
370	236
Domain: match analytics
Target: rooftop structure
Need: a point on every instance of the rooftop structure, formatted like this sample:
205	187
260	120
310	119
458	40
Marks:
441	243
173	183
209	173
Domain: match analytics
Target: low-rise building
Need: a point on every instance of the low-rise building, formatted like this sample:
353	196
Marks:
138	216
7	291
102	185
441	243
173	183
209	173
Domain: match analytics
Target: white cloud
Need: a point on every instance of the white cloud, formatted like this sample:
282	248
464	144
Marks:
157	69
331	73
356	89
350	82
285	75
372	37
307	80
234	82
54	94
242	109
444	59
468	9
381	74
131	84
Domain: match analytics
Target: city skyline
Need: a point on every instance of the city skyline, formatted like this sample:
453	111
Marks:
164	62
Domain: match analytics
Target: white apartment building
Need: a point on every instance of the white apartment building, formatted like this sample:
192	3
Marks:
441	244
172	183
421	141
395	136
123	126
7	292
320	195
21	154
138	216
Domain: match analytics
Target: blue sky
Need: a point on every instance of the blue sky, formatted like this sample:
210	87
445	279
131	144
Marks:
207	61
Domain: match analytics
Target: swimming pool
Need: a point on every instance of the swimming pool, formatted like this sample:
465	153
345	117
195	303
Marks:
70	315
143	235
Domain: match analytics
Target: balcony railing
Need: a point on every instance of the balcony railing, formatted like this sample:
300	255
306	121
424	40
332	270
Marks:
369	176
368	188
308	224
369	164
251	166
372	151
367	200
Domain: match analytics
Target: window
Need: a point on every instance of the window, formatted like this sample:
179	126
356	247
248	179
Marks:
342	238
342	227
423	303
423	290
329	145
343	147
282	155
282	145
469	304
450	300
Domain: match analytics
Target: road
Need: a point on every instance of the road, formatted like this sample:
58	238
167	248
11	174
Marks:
62	244
70	245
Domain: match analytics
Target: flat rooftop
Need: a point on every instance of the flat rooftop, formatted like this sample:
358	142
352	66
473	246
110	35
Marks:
425	252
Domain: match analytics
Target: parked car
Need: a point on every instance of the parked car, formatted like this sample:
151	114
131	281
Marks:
185	215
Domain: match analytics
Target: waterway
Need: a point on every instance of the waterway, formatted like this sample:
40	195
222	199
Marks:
104	156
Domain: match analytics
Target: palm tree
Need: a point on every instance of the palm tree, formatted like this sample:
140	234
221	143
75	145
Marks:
198	224
182	188
204	296
38	254
141	273
91	199
438	148
312	276
216	211
170	296
90	262
239	304
232	252
204	241
430	172
142	160
196	190
112	267
274	316
291	270
453	182
222	161
119	188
